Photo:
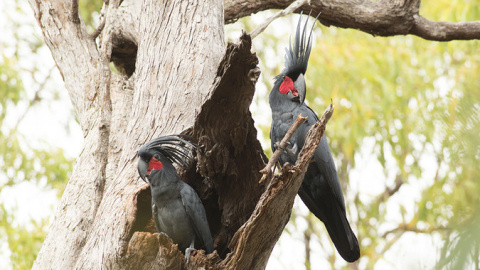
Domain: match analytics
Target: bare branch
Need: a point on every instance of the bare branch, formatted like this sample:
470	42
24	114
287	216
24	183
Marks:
445	31
294	6
392	241
409	228
389	192
307	236
36	97
273	160
379	18
72	49
382	18
99	29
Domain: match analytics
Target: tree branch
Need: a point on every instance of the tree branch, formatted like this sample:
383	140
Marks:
73	49
382	18
391	191
99	29
379	18
252	244
276	155
291	8
445	31
409	228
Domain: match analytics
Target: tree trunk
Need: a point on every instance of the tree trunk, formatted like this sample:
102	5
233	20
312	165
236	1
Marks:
182	81
180	44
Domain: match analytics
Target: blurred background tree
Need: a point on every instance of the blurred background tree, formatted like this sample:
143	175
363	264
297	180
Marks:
404	136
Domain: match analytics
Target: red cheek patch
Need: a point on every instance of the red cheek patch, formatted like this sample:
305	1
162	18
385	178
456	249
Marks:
287	85
154	164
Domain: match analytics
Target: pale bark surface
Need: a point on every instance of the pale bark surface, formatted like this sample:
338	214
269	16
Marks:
177	76
180	46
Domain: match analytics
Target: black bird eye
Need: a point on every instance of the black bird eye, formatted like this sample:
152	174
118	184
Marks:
283	77
156	156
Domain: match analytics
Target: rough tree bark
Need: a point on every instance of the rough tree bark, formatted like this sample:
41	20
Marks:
177	77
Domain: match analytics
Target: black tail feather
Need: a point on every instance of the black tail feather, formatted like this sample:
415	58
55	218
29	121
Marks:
331	213
342	235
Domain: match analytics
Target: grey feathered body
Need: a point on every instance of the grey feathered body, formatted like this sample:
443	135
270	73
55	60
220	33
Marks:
180	212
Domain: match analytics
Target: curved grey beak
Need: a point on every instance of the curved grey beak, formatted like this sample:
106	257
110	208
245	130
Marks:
142	169
292	97
301	87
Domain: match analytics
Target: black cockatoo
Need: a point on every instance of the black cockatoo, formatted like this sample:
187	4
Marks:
320	190
177	210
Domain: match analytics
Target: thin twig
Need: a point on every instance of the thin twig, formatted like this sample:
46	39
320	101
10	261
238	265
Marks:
276	155
390	191
290	9
103	18
405	227
99	29
36	97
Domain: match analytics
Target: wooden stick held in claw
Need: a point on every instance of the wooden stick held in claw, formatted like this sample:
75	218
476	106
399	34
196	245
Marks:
276	155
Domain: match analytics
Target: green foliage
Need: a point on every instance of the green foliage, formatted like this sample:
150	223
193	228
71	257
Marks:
464	249
90	10
414	98
47	168
10	85
23	242
21	159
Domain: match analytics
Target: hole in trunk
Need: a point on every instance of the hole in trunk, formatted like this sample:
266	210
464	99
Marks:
124	56
143	219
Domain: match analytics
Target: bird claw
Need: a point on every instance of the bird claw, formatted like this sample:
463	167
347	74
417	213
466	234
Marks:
163	234
188	253
154	209
289	151
277	145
